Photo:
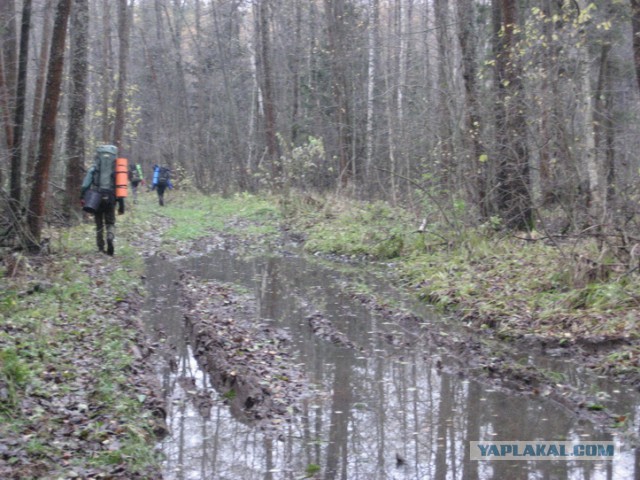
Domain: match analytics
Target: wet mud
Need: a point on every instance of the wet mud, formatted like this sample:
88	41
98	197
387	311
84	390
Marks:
247	362
283	350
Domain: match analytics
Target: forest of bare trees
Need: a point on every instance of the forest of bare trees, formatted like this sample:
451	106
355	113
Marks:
522	114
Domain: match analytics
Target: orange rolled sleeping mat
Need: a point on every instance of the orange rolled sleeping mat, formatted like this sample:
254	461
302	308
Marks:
122	177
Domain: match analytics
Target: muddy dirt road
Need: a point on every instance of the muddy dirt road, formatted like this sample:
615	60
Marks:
273	367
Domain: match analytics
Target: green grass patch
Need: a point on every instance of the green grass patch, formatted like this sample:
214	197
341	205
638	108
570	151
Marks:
195	216
376	231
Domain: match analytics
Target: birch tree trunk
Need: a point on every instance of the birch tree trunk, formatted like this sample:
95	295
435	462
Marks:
405	12
585	107
372	73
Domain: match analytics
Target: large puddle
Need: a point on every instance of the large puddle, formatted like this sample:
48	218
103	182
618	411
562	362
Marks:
381	412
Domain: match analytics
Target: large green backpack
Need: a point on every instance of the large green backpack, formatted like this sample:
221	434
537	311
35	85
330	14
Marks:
104	176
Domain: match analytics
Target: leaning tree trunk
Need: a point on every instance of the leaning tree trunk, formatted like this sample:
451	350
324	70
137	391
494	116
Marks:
37	203
77	106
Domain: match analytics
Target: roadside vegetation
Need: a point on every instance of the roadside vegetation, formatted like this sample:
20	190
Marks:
75	402
77	393
516	287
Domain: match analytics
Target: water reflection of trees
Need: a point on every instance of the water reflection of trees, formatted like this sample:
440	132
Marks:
379	414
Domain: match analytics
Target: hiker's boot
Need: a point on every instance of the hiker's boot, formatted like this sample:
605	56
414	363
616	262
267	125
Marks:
109	244
161	202
100	242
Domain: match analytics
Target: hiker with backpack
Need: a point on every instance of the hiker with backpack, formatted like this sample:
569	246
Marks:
101	191
161	181
135	177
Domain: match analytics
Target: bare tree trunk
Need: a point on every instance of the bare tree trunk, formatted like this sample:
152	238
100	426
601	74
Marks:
404	58
9	37
38	94
182	121
39	193
295	73
445	133
585	106
635	26
8	42
77	106
6	112
390	105
602	122
372	73
154	77
549	84
106	70
123	57
21	93
233	122
337	25
514	199
391	132
268	92
475	167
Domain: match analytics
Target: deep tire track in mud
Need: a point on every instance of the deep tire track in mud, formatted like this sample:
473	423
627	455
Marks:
248	363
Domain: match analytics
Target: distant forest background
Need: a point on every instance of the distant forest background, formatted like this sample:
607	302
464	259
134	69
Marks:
520	114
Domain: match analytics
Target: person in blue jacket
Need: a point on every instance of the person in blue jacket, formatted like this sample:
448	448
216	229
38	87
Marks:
161	181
